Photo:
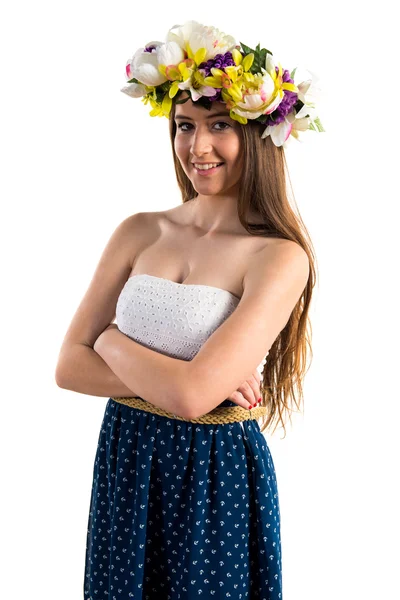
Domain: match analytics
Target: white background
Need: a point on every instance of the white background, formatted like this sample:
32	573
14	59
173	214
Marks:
78	157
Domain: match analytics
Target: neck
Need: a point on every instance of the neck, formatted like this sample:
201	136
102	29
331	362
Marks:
215	214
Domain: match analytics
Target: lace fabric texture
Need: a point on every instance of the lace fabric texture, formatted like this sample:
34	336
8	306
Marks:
174	319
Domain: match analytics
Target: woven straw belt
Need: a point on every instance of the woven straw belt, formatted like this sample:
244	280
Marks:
220	414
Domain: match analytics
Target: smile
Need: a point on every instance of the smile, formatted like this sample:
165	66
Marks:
207	169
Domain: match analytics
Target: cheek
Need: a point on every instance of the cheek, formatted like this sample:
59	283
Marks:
237	159
180	145
234	150
181	151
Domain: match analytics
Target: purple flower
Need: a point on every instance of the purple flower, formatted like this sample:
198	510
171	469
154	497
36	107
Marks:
286	105
217	95
220	61
150	48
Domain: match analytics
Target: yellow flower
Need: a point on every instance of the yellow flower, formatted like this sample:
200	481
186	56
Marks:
264	94
233	79
159	110
179	74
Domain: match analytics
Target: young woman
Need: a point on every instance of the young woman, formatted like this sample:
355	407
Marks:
184	499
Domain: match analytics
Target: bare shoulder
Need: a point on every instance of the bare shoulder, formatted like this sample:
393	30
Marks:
147	221
279	261
97	308
141	221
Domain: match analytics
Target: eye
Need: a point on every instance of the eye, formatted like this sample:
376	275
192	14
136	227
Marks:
222	123
182	125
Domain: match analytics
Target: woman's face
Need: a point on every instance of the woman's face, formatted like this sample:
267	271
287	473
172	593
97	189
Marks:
208	137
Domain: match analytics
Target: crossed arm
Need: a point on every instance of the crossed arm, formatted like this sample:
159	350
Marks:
272	287
158	379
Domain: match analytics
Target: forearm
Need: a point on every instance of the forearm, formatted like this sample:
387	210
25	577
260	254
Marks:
157	378
85	372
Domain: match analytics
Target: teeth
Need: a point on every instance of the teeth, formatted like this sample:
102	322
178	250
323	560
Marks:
207	166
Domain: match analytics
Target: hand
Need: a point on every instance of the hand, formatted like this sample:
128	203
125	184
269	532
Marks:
248	393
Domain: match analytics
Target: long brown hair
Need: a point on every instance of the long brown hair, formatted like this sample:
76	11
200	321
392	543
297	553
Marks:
263	191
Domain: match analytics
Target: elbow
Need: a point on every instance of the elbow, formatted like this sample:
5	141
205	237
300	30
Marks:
186	390
181	406
185	403
61	375
195	404
197	396
65	369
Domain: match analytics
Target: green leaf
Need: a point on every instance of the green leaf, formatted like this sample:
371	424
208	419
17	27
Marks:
259	60
318	125
133	80
182	101
159	95
260	54
246	49
292	73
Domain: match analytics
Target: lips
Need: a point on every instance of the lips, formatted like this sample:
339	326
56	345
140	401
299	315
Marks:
207	171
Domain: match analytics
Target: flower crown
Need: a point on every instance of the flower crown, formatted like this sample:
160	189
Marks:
211	67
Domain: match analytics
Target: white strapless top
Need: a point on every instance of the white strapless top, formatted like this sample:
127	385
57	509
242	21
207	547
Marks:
170	317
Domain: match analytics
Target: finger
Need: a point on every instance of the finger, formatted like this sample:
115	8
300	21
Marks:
250	389
240	400
257	376
250	392
255	386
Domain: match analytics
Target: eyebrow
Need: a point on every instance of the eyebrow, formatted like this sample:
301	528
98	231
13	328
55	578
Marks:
218	114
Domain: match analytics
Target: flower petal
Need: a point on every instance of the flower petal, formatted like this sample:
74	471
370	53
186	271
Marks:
275	103
200	55
196	94
248	61
301	124
290	87
166	105
144	67
213	81
185	85
134	90
246	113
270	66
206	90
173	90
234	115
281	132
237	56
266	132
267	88
170	54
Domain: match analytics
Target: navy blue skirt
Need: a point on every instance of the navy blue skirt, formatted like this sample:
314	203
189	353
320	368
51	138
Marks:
180	510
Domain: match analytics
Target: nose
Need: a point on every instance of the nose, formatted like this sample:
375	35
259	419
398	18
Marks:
200	143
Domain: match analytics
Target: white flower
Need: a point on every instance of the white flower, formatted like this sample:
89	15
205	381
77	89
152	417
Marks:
144	66
197	36
292	124
135	90
299	123
260	102
309	90
203	90
279	133
170	53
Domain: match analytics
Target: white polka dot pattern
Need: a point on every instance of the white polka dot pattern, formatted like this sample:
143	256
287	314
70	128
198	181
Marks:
180	510
172	318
